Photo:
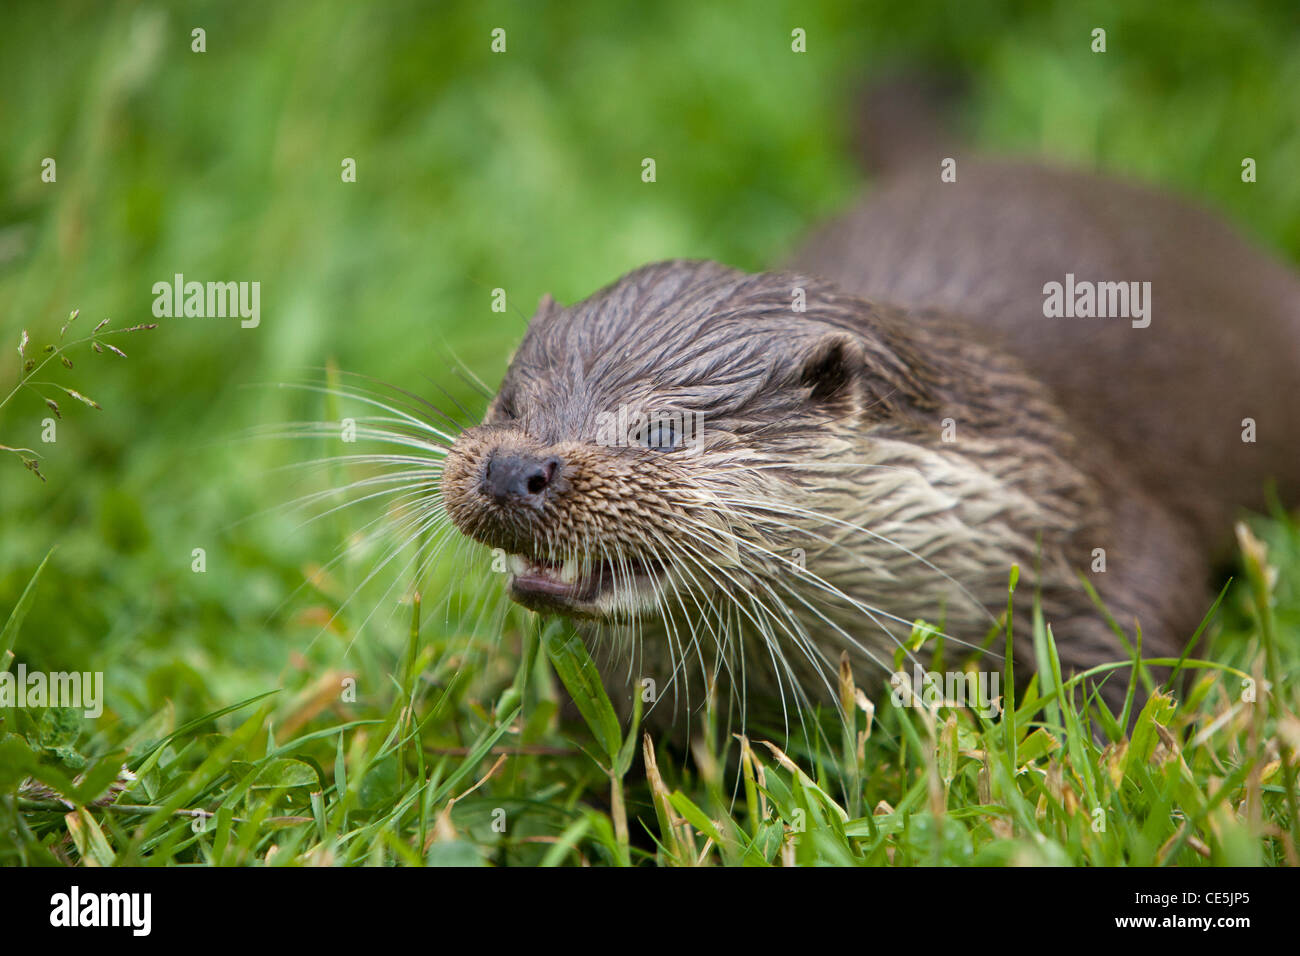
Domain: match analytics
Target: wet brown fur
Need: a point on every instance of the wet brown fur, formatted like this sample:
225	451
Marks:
923	305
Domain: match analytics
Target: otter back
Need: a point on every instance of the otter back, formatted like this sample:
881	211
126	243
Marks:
1167	393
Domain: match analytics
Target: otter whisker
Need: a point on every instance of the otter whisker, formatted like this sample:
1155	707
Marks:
466	374
720	640
822	665
364	431
830	519
434	522
405	417
837	592
419	402
794	627
763	626
380	527
427	451
407	491
368	534
720	648
823	584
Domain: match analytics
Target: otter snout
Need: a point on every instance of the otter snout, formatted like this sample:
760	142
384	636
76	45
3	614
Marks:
512	478
501	489
581	525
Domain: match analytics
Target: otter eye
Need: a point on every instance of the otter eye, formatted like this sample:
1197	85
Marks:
506	406
658	436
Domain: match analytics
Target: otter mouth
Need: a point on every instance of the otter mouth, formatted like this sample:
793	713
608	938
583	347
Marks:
584	587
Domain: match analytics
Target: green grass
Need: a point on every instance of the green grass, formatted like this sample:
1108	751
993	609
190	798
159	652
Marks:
430	772
226	694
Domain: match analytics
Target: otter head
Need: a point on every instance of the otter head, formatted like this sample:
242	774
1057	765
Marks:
657	442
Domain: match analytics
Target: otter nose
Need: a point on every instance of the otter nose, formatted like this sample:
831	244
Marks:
519	477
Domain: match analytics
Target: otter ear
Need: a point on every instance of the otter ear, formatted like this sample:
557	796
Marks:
836	375
831	371
545	306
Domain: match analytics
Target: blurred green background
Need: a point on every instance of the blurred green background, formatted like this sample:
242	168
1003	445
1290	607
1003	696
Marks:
474	171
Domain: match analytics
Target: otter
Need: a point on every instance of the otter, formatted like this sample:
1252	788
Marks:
887	425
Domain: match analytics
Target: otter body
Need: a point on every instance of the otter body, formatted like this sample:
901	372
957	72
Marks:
1223	343
886	429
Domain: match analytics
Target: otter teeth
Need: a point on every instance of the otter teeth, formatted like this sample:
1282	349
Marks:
570	572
